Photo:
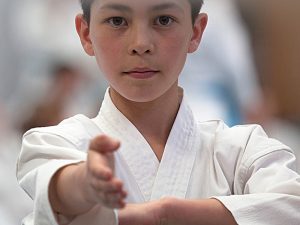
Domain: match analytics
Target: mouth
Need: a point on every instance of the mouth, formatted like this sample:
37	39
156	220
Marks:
141	73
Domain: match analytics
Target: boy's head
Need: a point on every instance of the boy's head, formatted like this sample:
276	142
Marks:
196	5
140	45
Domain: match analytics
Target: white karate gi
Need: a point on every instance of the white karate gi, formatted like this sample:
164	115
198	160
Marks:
252	175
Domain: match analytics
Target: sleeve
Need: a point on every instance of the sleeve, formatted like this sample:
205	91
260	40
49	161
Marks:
266	187
42	155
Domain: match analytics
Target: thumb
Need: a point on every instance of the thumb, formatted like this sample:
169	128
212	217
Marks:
104	144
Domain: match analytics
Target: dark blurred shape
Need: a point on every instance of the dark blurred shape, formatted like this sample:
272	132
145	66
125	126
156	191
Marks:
51	109
275	30
220	78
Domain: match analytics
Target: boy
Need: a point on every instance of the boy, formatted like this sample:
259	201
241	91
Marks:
153	152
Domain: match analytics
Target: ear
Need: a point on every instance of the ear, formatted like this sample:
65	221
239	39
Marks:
83	31
198	30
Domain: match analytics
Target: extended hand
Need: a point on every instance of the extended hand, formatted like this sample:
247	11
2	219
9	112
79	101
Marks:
103	187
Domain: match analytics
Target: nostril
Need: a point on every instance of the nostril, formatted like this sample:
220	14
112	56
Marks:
140	50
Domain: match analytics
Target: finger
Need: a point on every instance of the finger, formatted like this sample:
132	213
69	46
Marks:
99	170
123	194
107	187
104	144
117	183
114	200
119	187
121	204
101	165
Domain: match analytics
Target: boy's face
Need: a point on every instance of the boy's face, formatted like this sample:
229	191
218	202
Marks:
141	45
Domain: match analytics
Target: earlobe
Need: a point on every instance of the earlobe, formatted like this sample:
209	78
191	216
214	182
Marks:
83	32
198	30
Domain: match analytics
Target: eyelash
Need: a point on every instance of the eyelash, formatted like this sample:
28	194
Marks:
110	21
171	20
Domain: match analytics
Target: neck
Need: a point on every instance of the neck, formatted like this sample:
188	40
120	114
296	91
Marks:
154	119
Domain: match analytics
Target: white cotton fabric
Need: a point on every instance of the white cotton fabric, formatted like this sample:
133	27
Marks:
252	175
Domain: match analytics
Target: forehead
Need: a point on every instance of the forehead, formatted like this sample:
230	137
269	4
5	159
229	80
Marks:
141	5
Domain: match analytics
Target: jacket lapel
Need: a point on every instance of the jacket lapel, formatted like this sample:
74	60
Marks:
135	154
136	164
179	155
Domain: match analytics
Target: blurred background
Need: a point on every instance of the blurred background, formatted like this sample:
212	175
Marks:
247	70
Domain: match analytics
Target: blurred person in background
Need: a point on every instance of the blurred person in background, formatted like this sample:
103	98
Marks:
275	33
221	77
14	203
38	45
41	105
53	104
35	65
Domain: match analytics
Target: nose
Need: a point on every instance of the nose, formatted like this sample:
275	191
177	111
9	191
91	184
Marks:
141	41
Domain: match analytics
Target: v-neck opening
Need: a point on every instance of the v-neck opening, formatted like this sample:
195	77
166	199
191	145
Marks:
155	178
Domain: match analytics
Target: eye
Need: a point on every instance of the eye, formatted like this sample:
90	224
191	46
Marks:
117	22
164	20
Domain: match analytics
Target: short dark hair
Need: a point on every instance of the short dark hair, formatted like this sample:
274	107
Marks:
86	7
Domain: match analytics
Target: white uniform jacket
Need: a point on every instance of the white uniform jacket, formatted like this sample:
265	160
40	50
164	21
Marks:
252	175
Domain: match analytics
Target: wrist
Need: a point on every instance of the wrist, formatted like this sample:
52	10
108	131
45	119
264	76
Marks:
67	191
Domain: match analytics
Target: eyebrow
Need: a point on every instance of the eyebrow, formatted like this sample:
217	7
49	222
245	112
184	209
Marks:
125	8
118	7
164	6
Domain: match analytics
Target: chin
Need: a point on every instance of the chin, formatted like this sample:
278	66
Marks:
142	96
141	99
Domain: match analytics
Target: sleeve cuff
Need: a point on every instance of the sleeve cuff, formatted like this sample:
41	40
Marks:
43	213
116	216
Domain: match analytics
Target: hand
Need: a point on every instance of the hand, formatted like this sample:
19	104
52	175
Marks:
151	213
102	186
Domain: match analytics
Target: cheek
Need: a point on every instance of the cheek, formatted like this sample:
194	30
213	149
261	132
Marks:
176	43
172	51
107	51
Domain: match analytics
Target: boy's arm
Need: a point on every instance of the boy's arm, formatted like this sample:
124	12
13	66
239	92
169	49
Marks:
76	189
192	212
171	211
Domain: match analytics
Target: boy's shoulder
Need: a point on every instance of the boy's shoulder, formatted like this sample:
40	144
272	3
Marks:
75	129
220	127
238	133
250	139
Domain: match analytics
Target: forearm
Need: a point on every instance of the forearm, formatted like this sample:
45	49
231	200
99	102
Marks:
66	191
196	212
